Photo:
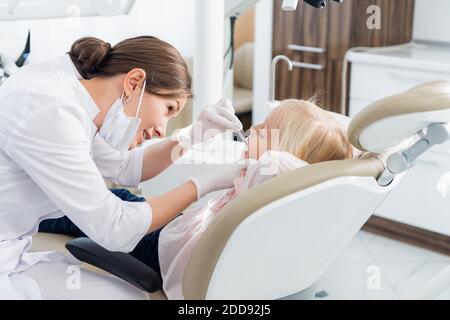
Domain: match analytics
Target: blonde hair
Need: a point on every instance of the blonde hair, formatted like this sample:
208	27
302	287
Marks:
309	132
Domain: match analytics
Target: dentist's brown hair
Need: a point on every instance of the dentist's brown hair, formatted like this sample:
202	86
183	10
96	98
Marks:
167	72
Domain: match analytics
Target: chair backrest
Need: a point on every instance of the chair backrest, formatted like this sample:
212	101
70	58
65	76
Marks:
272	225
390	121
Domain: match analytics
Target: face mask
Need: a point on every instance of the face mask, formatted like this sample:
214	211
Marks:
119	130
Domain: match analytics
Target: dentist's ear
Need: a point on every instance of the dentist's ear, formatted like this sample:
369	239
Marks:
134	79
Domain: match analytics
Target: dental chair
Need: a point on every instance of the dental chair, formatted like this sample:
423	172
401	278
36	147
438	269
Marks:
280	237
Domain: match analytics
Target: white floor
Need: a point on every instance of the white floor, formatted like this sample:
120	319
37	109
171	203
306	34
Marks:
374	267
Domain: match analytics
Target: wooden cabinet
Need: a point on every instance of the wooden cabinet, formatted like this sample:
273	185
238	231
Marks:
331	32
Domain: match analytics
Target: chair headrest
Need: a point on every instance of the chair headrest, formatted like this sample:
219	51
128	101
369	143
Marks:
390	121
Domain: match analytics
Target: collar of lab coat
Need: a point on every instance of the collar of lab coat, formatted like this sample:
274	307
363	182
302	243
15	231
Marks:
82	96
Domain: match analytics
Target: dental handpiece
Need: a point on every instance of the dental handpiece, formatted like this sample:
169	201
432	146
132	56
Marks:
242	137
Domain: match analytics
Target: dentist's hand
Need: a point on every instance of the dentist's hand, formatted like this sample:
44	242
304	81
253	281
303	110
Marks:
212	120
219	179
8	65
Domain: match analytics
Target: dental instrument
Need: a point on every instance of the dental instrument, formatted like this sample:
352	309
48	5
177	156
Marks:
241	136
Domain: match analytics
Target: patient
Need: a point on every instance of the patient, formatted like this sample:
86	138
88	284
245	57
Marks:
295	134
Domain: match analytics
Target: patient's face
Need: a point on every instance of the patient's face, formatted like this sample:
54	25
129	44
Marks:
262	137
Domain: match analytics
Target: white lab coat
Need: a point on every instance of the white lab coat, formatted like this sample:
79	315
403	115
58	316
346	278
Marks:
52	164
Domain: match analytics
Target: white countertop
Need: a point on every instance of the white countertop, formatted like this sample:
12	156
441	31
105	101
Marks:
420	56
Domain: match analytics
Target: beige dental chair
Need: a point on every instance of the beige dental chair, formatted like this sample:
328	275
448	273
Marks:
278	238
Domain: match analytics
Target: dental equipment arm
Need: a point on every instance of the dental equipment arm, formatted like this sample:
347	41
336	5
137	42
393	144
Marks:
237	7
399	162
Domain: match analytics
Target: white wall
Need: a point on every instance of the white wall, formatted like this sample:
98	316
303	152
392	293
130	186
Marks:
263	59
170	20
432	20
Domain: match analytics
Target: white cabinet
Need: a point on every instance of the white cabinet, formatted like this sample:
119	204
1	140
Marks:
370	83
422	199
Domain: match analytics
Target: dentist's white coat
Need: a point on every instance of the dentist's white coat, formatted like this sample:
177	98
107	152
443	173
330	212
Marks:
52	163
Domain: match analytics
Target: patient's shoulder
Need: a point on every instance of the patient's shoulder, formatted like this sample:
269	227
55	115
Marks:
279	162
270	164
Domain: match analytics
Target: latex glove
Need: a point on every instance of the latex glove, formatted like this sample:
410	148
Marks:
8	65
219	179
212	121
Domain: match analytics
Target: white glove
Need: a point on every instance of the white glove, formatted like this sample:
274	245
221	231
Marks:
219	179
212	121
7	64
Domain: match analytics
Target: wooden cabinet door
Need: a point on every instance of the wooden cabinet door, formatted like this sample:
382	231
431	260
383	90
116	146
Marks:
304	27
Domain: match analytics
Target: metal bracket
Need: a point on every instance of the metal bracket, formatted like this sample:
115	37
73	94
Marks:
399	162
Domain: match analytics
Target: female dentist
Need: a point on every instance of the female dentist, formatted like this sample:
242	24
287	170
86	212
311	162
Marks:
68	123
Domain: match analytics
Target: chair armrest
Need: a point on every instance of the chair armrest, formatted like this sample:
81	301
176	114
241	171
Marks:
120	264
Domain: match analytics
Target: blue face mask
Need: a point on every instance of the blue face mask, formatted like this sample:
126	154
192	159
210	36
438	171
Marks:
119	130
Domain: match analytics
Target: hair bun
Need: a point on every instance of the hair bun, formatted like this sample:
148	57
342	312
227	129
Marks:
88	54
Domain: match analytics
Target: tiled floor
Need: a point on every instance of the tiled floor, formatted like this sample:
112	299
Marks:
374	267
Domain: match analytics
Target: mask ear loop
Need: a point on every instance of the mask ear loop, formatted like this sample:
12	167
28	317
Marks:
122	96
141	97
